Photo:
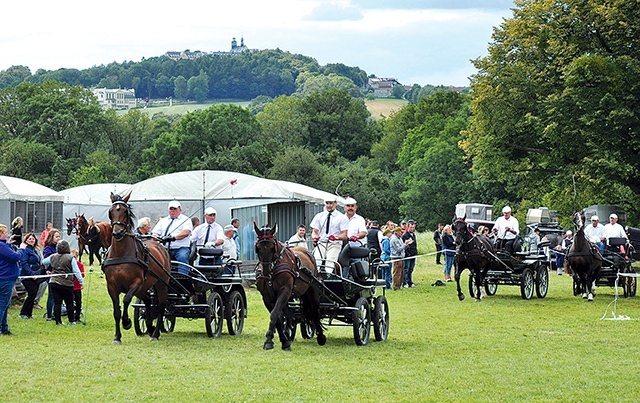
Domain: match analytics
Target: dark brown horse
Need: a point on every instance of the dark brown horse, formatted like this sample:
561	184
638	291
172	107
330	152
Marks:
132	267
286	272
94	238
583	260
473	252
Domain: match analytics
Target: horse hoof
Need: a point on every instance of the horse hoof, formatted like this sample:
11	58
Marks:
461	297
116	341
126	324
153	339
590	298
286	348
584	296
267	346
478	300
321	339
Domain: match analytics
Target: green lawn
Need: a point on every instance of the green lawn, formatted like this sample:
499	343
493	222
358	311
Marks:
439	349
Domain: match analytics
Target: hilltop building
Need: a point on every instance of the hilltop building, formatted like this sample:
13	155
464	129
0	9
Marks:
188	55
115	98
382	87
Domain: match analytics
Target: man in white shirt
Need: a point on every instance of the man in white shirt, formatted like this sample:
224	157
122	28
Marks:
595	232
208	234
329	230
357	229
177	227
506	229
229	249
614	230
299	239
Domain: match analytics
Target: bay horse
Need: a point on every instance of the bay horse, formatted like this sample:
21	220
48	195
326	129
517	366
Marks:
583	260
286	272
132	267
473	252
71	225
85	235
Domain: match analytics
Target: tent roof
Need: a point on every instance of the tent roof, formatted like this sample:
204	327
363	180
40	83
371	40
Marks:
20	189
97	194
220	185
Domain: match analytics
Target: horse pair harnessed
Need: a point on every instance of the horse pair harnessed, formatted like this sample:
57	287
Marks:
277	263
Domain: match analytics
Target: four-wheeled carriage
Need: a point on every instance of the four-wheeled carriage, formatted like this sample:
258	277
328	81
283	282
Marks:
352	294
615	262
528	271
210	291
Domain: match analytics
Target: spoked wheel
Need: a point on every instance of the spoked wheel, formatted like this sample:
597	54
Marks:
380	316
307	330
633	284
542	281
289	328
169	323
140	322
527	284
491	288
234	312
214	315
472	285
361	321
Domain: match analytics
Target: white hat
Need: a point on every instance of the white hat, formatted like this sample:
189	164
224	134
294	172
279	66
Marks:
506	209
569	232
174	204
210	211
613	215
229	228
331	198
595	218
350	200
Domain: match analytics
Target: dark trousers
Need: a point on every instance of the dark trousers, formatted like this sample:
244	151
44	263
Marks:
77	305
31	286
438	254
61	293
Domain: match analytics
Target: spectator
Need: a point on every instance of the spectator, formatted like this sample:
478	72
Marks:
45	233
409	237
375	238
563	248
16	231
397	246
449	250
144	226
195	221
386	257
29	267
329	230
93	241
77	290
299	238
9	272
437	239
63	267
236	238
506	229
49	249
595	233
176	228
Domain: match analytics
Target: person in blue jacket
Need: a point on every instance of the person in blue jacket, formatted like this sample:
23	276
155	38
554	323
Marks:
9	271
30	267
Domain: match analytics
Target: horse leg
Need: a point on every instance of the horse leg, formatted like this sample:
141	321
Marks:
457	272
478	284
126	321
116	316
161	292
276	316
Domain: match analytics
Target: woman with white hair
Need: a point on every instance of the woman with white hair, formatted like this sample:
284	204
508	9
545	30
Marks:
144	226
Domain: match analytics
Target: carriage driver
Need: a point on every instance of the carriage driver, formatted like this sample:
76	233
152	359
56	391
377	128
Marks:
177	227
595	233
207	234
506	229
614	230
329	230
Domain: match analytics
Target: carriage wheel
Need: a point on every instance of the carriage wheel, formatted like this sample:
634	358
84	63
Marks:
289	327
169	323
307	330
234	312
472	284
213	315
361	321
633	283
527	284
491	288
542	281
139	321
380	316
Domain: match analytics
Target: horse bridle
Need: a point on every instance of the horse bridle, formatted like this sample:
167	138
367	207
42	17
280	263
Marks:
472	241
126	225
276	259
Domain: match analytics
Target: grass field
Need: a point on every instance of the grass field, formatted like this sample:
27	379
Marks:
383	107
439	349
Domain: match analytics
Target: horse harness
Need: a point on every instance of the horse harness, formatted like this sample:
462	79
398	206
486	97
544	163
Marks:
279	266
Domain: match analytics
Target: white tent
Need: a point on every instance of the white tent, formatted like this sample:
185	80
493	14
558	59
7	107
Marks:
35	203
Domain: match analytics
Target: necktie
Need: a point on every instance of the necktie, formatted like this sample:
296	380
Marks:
328	221
168	226
206	237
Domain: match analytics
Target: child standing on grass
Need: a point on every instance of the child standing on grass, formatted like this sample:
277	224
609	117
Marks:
77	289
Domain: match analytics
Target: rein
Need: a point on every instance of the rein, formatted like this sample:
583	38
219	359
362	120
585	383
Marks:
277	263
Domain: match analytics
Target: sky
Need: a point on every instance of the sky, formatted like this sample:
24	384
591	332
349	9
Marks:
415	41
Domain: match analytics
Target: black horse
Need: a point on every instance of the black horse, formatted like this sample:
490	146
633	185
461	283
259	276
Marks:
286	272
584	261
473	252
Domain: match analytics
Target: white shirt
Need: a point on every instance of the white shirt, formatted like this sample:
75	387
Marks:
296	240
502	224
594	234
229	248
614	231
198	235
357	224
168	226
337	224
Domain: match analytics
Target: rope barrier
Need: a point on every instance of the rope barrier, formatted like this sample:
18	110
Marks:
615	300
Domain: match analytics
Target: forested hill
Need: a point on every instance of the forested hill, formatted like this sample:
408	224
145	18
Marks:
243	76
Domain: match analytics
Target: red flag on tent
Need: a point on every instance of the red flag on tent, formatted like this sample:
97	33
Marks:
233	181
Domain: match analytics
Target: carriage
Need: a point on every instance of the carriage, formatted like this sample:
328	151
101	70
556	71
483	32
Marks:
528	270
213	292
615	262
352	294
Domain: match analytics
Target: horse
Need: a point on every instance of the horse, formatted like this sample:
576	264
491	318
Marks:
286	272
583	260
71	225
473	252
85	237
132	267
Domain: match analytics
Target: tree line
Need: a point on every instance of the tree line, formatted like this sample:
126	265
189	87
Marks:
552	120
